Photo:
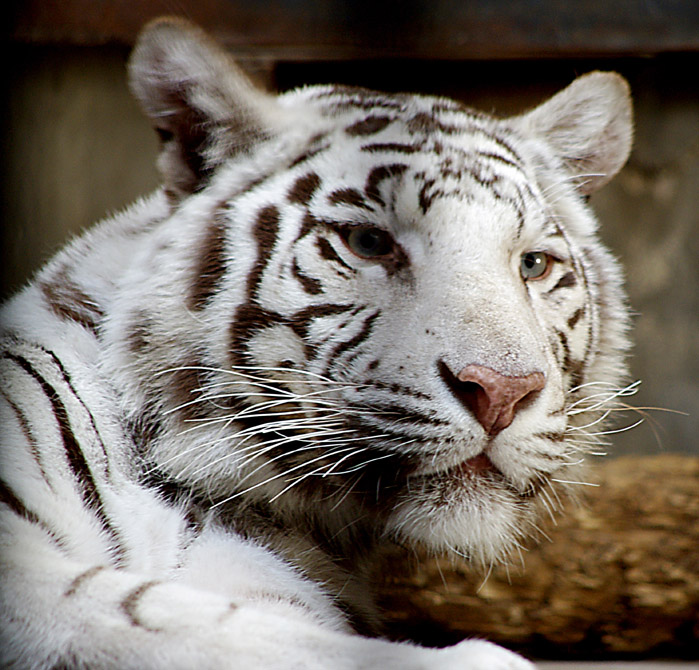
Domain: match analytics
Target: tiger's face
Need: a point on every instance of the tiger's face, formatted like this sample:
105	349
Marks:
401	312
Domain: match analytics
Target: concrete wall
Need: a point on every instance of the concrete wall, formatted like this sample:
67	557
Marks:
76	147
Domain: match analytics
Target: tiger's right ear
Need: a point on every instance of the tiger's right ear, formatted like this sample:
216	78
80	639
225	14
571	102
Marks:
589	125
198	100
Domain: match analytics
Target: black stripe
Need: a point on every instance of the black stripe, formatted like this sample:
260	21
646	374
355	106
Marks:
423	122
551	437
249	319
8	497
139	335
74	454
328	253
563	339
351	97
568	279
371	427
377	175
519	207
129	604
427	123
444	105
309	284
368	126
303	188
392	147
211	263
573	320
357	339
581	265
308	224
503	144
82	578
569	364
69	302
307	155
192	506
394	388
349	196
414	416
483	175
265	231
301	320
69	382
498	158
520	220
426	198
26	431
186	380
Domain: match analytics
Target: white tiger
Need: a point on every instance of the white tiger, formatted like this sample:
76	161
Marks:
347	318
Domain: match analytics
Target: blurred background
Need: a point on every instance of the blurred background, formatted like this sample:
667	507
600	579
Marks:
76	148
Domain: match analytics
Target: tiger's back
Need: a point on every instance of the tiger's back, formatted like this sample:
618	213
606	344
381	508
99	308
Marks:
347	318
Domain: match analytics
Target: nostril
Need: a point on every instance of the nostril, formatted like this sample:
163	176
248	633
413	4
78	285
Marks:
527	399
469	393
492	398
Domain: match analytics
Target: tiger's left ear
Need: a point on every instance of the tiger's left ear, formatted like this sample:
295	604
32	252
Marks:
198	100
589	125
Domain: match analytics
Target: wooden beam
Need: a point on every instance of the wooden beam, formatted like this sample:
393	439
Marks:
344	29
619	578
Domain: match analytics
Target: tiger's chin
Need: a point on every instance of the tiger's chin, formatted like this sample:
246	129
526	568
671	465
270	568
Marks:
471	510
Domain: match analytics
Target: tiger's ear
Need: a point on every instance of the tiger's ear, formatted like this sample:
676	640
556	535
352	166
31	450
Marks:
200	103
589	125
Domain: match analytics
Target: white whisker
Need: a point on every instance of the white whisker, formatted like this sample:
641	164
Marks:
568	481
363	464
619	430
582	429
277	476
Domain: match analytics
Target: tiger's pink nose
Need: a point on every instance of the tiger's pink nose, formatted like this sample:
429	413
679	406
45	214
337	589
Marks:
491	397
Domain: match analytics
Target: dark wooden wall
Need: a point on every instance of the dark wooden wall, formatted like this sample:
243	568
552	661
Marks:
340	29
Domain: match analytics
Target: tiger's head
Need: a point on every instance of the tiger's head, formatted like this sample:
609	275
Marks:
374	306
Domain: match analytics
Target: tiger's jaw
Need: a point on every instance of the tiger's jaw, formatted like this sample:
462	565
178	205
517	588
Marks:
471	509
484	506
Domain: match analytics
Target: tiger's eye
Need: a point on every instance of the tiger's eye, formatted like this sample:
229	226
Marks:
535	265
369	242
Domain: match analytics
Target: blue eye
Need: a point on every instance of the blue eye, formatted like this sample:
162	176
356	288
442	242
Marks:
535	265
368	242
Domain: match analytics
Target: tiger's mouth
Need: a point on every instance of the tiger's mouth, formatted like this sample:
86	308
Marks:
480	474
476	466
477	473
471	471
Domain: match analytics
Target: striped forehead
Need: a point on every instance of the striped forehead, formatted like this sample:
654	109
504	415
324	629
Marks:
411	123
434	149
